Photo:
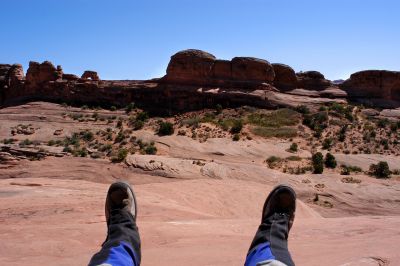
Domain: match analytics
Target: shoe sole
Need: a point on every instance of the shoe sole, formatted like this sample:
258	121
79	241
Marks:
277	188
126	184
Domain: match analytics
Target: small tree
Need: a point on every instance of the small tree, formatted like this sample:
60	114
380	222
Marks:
380	170
165	128
318	163
330	161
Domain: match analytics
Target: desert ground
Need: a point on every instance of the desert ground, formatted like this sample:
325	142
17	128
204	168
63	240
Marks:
199	197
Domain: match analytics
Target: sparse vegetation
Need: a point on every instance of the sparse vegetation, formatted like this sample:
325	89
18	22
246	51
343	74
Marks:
380	170
272	161
318	163
293	147
236	127
165	128
236	137
121	155
330	161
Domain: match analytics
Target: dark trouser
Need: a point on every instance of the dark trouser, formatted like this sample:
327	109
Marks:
122	246
270	242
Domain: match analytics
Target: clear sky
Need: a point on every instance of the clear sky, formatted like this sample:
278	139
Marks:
132	39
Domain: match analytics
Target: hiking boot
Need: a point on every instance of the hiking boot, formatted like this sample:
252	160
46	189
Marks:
281	200
120	196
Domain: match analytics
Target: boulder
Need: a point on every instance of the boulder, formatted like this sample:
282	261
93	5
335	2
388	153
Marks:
90	75
285	77
252	69
312	80
16	74
373	84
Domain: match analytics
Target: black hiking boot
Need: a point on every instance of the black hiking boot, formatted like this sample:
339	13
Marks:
120	196
276	221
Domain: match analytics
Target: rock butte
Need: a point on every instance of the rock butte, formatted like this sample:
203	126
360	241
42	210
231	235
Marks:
196	79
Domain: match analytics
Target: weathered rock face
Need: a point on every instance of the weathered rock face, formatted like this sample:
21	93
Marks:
196	67
312	80
252	69
38	74
15	74
372	84
90	75
285	77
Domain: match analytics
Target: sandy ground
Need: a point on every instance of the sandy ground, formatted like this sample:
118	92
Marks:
52	211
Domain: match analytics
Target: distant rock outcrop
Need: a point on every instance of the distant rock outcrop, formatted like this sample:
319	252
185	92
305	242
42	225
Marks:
285	77
373	85
38	74
195	80
196	67
90	75
312	80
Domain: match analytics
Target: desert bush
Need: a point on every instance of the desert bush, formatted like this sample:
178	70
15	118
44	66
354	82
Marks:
318	163
276	119
150	149
120	137
293	158
272	161
302	109
138	124
327	143
143	116
236	127
113	108
51	142
80	152
268	132
380	170
218	109
129	107
121	155
87	135
236	137
8	141
330	161
165	129
25	142
293	147
67	149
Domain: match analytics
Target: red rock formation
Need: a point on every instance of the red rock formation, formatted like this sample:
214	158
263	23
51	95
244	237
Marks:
312	80
196	67
373	84
285	77
38	74
90	75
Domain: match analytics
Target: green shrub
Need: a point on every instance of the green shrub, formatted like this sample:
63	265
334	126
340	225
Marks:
25	142
67	149
293	158
318	163
138	124
236	127
87	135
51	143
8	141
330	161
382	123
327	143
276	119
143	116
218	109
150	149
272	161
120	137
129	107
236	137
113	108
303	109
293	147
268	132
121	155
380	170
165	129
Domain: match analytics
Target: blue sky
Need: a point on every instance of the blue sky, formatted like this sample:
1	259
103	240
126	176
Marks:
133	39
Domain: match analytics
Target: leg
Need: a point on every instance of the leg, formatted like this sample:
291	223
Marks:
269	246
122	246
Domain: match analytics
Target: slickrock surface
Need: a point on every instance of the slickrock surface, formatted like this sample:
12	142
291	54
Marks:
199	203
